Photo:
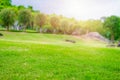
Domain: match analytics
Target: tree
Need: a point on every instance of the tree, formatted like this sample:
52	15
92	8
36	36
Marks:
7	17
88	25
64	26
72	27
20	7
24	18
54	21
112	23
32	20
30	8
4	4
40	20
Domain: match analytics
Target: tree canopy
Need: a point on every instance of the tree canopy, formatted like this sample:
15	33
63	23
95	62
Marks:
112	23
40	20
5	3
7	17
24	18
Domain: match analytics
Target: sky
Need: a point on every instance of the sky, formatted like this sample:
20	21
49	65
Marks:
78	9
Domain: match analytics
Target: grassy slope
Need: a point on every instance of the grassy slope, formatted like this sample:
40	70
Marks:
31	56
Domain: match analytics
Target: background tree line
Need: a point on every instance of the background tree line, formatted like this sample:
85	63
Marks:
22	18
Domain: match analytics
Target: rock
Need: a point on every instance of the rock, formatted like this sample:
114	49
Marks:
118	44
95	36
111	45
72	41
76	33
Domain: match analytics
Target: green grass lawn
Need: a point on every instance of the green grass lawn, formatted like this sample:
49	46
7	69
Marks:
34	56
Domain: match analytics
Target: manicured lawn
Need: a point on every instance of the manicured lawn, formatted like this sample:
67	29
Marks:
33	56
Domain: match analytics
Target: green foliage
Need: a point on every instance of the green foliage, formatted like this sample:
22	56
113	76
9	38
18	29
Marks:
30	8
64	26
47	28
112	23
92	26
24	18
40	20
55	23
7	17
20	7
69	26
5	4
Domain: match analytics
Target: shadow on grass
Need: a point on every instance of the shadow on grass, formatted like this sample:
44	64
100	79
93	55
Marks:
27	31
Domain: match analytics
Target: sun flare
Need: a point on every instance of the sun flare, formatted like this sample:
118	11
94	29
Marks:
78	8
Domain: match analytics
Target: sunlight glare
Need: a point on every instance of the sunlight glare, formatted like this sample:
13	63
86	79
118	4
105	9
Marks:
78	8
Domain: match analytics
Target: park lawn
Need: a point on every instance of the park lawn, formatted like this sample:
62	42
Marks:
34	56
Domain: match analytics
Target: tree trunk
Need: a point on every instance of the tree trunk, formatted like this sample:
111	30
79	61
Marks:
24	29
64	32
54	31
40	30
32	25
37	29
7	28
112	38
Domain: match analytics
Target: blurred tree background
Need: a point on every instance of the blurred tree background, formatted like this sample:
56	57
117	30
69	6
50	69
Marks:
21	18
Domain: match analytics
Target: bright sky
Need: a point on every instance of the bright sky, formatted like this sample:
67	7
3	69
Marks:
79	9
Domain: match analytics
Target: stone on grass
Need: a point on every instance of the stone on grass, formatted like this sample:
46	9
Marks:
72	41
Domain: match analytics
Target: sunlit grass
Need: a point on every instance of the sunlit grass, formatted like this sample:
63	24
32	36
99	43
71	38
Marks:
31	56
